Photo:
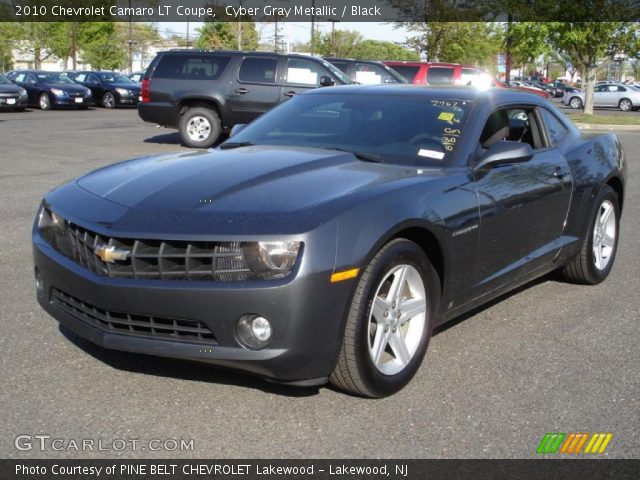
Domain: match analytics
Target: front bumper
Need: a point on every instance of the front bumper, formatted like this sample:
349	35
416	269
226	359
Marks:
66	101
128	99
12	101
307	313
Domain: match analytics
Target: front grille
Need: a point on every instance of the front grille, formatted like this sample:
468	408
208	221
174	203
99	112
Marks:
134	324
154	259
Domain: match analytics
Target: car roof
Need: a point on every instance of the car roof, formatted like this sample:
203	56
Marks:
329	59
238	53
492	95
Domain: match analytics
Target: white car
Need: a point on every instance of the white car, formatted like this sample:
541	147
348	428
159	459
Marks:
625	97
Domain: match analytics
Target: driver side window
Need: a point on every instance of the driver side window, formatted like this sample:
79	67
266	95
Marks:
514	124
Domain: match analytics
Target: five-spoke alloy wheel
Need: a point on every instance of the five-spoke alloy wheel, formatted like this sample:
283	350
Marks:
390	321
595	259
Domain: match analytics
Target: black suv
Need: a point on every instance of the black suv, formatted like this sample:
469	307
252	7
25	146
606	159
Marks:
205	93
366	71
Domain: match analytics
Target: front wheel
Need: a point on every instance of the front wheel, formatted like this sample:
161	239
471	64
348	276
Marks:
44	102
575	103
389	323
199	127
109	101
593	263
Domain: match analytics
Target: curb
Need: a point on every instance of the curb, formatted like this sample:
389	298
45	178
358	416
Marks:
608	128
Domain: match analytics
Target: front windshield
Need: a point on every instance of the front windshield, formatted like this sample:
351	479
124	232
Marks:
407	130
4	80
337	72
114	78
54	78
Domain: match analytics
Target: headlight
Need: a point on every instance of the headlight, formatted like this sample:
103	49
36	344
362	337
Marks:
273	259
53	230
23	92
122	91
87	93
57	92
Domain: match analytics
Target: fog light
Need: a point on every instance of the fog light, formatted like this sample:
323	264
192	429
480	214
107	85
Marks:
39	284
254	332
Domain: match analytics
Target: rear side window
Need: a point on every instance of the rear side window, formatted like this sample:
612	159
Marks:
370	73
469	76
556	129
341	65
407	72
191	67
304	72
258	70
440	76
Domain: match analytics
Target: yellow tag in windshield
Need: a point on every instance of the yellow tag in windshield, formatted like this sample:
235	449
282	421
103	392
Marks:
446	116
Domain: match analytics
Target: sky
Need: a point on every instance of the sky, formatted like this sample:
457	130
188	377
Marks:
300	31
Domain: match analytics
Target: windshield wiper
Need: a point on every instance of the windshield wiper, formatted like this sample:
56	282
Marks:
368	157
230	145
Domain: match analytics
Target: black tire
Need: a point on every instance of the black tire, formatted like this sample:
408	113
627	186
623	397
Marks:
582	268
575	103
625	105
355	371
199	127
109	100
44	102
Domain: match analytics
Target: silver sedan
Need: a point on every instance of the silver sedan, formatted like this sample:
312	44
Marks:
625	97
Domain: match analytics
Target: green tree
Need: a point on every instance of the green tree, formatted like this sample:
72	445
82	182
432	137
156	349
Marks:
463	42
529	42
7	41
143	36
101	46
340	43
379	50
228	36
587	44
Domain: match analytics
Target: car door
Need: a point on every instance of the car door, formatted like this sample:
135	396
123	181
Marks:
28	81
95	85
255	90
522	205
301	75
603	96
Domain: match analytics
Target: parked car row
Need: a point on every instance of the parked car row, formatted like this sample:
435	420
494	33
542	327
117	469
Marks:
46	90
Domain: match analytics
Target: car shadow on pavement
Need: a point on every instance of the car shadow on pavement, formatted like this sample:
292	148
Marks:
182	369
549	277
173	138
165	139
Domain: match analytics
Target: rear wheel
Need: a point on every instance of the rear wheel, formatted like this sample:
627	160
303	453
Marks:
44	102
389	323
594	261
575	103
199	127
625	105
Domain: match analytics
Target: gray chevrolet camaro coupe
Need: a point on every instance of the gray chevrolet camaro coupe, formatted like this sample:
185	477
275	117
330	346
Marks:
326	240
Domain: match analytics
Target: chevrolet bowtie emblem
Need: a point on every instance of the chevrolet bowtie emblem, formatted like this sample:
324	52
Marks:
109	254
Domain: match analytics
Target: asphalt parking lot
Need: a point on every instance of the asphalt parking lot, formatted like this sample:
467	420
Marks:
552	357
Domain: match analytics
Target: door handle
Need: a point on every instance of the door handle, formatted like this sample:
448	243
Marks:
290	93
241	90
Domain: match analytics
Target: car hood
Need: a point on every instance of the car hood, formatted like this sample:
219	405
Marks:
127	86
10	88
260	179
66	87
